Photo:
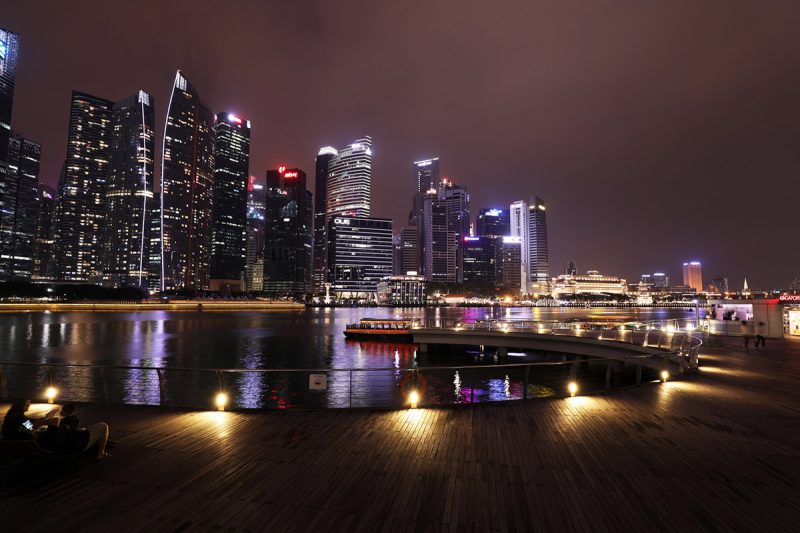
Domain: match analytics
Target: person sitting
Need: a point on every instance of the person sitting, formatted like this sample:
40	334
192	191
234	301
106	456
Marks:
72	438
17	426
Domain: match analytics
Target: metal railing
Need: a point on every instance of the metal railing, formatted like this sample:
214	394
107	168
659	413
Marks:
676	352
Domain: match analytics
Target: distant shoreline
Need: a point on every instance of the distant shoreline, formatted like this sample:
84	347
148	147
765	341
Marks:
179	305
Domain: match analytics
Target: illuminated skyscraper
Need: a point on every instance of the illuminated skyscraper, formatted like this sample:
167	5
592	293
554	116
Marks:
18	216
426	174
324	157
129	194
287	234
493	222
349	190
256	214
529	223
231	172
693	276
187	189
82	190
360	252
9	53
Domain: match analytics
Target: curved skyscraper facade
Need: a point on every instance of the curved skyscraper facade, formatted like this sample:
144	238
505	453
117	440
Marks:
349	191
187	188
129	195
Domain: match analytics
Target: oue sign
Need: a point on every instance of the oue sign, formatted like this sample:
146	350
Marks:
341	221
318	382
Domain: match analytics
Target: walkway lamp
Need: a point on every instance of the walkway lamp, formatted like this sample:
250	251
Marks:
221	400
664	376
413	398
51	393
572	387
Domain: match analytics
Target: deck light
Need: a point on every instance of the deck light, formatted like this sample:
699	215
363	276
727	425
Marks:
221	400
664	376
413	398
51	393
572	388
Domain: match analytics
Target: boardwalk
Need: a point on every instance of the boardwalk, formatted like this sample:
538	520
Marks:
717	452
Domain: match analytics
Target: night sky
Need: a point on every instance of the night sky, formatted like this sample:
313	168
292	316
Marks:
656	132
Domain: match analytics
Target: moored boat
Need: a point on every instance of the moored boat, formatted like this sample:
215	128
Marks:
380	329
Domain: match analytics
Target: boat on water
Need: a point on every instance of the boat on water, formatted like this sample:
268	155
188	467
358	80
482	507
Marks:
380	329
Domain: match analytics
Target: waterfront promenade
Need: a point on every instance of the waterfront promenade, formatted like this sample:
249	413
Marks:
719	451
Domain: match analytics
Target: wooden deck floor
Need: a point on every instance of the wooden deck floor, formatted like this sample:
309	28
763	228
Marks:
717	452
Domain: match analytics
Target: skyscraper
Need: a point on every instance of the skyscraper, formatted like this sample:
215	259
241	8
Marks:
256	215
493	222
480	261
129	192
187	189
287	234
425	174
349	190
82	189
529	223
9	53
438	250
360	252
693	276
231	173
324	157
508	264
44	242
19	212
410	250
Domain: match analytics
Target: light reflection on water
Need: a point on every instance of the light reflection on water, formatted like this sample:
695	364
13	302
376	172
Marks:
257	340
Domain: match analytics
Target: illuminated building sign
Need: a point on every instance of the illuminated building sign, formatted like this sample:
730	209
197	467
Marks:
292	174
790	298
471	239
251	181
234	118
281	169
341	221
494	212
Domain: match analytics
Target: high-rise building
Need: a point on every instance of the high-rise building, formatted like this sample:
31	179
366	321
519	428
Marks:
324	157
529	223
571	269
229	224
719	285
660	280
693	276
349	190
410	250
154	246
9	53
187	190
80	212
480	261
129	192
20	209
425	175
360	255
439	245
509	265
288	234
44	242
493	222
256	215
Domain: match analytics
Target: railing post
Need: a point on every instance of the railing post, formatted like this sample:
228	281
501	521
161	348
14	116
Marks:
3	383
104	382
472	388
286	387
525	390
350	389
162	394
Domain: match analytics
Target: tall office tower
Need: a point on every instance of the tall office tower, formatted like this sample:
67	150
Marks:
538	249
154	246
129	192
508	264
43	242
287	234
693	276
360	251
660	280
9	53
82	189
18	215
439	244
571	269
457	200
231	175
495	222
646	279
410	250
425	174
480	261
349	190
256	214
519	228
187	190
324	157
720	285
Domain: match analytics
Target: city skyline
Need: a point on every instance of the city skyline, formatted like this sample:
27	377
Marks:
576	190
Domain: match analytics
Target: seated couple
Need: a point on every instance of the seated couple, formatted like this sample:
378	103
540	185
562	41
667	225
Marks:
63	436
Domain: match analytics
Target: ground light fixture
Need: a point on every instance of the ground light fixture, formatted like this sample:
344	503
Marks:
221	400
572	387
51	393
413	398
664	376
